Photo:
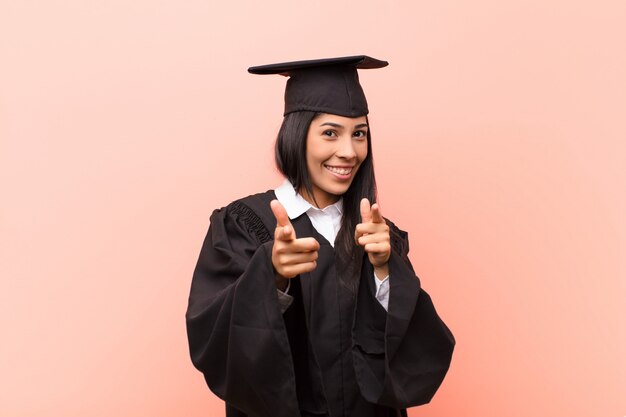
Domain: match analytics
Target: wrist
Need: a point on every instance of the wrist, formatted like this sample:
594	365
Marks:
382	271
281	281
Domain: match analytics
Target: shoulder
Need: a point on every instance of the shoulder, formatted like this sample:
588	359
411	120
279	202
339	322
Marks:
251	214
254	202
253	205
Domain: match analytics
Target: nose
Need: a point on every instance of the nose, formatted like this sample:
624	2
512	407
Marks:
345	148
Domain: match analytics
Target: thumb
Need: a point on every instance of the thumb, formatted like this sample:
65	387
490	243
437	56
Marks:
366	212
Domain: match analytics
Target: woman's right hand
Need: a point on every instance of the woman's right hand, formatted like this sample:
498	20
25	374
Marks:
290	256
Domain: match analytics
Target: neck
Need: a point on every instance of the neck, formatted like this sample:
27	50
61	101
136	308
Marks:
323	201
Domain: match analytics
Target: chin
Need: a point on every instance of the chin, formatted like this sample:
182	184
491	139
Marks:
338	191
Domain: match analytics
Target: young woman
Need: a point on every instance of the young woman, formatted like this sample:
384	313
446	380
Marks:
304	301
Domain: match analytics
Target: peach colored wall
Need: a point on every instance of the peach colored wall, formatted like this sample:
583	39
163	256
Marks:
499	130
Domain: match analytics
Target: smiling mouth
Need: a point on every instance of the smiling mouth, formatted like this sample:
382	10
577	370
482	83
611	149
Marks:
337	170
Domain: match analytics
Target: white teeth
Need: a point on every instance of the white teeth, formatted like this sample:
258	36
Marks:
340	171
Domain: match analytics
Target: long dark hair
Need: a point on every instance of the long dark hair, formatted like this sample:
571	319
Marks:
290	154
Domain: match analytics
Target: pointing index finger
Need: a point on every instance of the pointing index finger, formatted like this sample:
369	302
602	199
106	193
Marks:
282	219
377	216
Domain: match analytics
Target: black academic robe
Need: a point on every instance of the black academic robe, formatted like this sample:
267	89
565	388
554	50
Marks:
334	352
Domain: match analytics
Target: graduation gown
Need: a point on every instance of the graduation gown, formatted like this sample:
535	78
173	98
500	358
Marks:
334	352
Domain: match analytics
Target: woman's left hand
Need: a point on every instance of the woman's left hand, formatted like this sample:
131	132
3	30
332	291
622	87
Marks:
373	234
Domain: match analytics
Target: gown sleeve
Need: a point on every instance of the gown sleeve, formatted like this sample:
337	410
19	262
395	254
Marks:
400	357
236	333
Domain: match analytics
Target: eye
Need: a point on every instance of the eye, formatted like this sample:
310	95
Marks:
329	133
360	134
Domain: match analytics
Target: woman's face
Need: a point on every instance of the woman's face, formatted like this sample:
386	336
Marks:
336	147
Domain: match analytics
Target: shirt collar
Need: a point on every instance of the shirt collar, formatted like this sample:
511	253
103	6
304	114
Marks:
296	205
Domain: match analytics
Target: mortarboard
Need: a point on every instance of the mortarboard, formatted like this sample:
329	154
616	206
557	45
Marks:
329	85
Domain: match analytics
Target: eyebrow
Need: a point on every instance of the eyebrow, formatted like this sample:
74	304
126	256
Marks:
338	126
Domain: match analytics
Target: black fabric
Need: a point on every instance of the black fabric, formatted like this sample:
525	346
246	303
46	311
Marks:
333	353
309	386
329	85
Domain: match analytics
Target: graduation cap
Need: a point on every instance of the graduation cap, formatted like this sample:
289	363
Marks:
329	85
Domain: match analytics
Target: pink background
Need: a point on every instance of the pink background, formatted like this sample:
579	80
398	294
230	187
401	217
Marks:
499	139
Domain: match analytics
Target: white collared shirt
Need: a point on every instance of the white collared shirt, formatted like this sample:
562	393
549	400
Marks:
327	222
